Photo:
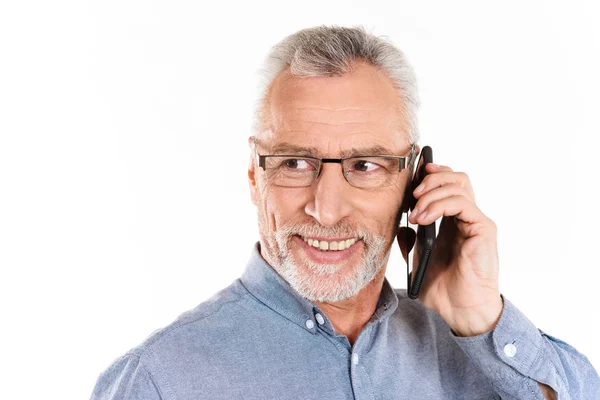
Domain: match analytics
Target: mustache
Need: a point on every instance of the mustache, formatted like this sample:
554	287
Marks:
341	229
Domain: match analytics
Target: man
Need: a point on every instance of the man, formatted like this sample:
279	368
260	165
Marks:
312	315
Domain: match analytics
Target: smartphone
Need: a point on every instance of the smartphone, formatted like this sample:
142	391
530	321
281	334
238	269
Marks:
425	233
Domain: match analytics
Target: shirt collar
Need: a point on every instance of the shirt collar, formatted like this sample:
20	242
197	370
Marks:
264	283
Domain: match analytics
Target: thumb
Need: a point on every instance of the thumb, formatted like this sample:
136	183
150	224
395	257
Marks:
406	240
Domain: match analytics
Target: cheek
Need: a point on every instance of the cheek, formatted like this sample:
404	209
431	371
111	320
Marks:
382	209
280	206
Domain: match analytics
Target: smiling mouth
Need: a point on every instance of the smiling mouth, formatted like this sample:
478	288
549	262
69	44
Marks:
329	245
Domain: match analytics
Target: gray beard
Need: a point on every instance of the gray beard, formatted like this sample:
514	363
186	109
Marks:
319	285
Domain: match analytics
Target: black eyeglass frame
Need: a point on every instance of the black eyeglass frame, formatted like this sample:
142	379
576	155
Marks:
262	158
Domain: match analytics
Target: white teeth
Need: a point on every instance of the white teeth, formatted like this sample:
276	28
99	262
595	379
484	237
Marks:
330	246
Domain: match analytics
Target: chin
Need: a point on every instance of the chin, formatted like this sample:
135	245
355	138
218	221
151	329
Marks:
331	287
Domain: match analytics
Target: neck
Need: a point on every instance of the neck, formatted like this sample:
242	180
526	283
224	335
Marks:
350	316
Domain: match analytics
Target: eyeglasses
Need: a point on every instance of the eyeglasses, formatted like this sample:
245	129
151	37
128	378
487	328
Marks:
365	172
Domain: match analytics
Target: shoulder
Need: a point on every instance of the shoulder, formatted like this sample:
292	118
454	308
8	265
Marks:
223	305
415	308
127	378
147	368
418	319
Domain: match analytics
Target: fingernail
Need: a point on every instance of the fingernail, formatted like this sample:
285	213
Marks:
413	216
418	189
423	215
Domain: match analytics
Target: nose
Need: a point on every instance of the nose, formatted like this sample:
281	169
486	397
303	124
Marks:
332	197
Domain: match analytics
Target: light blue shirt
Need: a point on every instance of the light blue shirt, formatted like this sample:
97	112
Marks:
258	339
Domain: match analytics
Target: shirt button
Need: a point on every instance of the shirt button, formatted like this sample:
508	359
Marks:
354	358
320	319
310	324
510	350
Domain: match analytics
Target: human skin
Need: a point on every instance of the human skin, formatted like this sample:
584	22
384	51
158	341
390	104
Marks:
356	110
332	114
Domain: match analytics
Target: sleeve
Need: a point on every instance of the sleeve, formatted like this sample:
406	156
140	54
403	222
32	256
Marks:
516	355
126	379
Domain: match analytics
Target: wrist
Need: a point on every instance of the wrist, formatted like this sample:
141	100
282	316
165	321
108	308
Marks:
474	322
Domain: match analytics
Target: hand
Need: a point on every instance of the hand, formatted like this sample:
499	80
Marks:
461	281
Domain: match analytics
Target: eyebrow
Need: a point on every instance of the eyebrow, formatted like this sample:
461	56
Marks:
287	148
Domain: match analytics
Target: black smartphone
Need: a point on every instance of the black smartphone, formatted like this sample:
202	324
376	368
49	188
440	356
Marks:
425	233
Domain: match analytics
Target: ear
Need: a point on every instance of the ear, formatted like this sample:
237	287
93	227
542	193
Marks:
252	183
409	201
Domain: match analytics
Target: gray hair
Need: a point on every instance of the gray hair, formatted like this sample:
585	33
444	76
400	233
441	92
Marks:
331	51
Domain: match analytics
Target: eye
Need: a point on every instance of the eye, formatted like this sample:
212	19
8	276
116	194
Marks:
298	164
365	166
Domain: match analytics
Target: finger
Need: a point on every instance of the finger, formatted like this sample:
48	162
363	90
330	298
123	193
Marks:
431	167
458	206
439	179
448	190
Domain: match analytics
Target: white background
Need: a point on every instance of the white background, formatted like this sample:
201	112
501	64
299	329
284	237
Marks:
123	155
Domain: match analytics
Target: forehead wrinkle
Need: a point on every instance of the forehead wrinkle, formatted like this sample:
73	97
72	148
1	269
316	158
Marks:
291	113
335	109
361	101
314	100
320	123
326	123
366	113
